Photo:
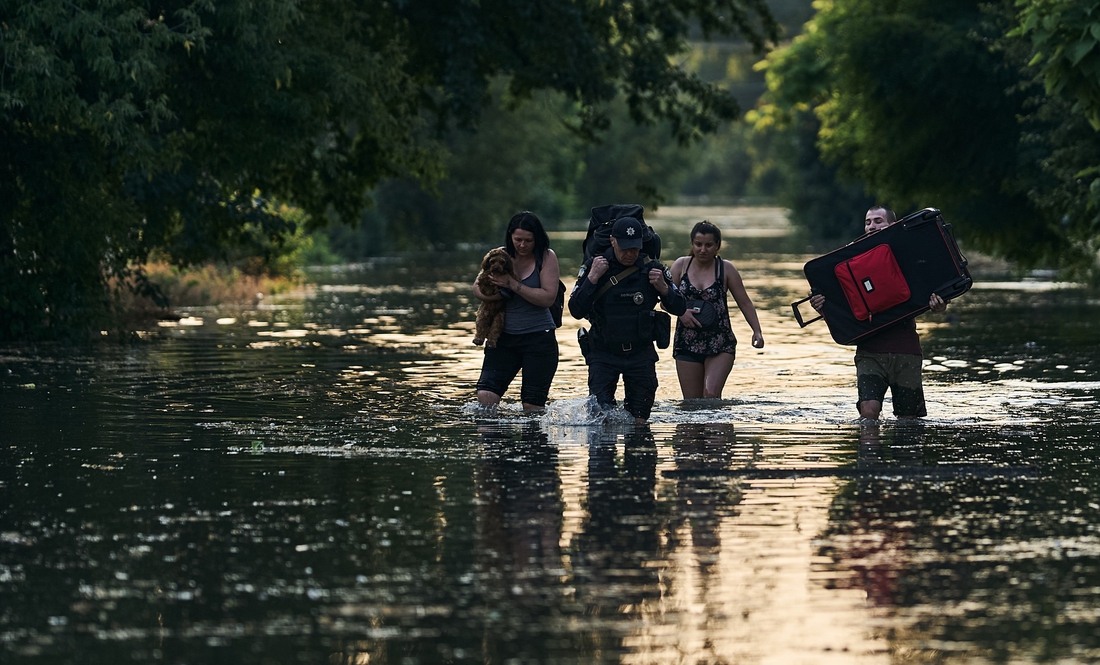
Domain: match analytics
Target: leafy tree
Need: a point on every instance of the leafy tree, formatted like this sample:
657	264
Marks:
1064	41
1065	35
526	159
131	126
635	165
933	104
911	105
829	206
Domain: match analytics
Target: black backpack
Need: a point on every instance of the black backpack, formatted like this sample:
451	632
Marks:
603	218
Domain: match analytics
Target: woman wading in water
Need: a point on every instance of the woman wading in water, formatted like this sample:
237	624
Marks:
705	345
528	342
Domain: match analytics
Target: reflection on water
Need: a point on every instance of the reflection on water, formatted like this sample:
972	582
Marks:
311	481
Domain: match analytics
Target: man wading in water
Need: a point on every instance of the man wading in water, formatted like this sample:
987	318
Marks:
891	358
617	292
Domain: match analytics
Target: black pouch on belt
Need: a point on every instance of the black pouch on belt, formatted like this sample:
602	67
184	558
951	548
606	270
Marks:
662	328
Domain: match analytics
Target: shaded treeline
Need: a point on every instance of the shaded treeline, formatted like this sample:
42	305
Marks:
137	127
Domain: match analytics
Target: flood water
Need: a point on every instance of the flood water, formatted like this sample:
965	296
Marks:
309	481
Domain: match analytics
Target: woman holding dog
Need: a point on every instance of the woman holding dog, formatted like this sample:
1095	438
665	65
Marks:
705	346
529	342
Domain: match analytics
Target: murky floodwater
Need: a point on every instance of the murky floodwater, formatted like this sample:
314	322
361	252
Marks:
309	482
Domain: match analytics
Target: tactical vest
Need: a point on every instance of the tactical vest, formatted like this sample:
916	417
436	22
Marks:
623	315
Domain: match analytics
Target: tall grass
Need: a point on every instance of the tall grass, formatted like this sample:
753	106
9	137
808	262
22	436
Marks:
200	286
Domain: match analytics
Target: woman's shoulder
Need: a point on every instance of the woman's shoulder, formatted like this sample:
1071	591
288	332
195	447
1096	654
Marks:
728	266
548	258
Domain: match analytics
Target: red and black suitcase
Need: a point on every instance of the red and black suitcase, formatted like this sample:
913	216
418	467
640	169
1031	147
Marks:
886	276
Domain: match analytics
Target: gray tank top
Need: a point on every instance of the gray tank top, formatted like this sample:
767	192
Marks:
521	317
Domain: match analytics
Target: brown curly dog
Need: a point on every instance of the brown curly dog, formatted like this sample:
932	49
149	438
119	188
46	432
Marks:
490	314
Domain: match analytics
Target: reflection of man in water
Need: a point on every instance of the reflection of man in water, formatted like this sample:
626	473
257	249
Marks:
871	520
519	526
620	539
904	448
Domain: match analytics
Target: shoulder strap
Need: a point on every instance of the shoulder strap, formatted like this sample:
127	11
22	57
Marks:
719	270
615	279
720	273
538	268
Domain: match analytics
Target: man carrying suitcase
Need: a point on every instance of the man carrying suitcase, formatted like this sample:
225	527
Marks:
891	358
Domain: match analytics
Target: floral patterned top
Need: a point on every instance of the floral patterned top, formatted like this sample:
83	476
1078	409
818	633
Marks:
706	342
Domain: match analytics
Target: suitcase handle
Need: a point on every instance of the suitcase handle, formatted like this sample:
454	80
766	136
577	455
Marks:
920	218
953	246
954	286
798	315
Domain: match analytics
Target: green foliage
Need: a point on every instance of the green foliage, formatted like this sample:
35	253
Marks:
921	102
132	126
525	159
791	14
128	129
820	201
732	163
587	50
318	251
1065	36
1061	129
630	165
199	286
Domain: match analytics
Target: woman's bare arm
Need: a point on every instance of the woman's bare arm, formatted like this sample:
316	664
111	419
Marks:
547	293
737	287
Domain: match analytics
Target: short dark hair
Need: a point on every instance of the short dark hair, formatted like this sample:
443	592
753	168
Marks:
527	221
706	228
890	216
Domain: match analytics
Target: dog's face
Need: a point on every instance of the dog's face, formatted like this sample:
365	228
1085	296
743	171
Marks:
497	262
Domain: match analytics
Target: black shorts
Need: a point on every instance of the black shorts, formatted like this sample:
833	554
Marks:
535	353
689	356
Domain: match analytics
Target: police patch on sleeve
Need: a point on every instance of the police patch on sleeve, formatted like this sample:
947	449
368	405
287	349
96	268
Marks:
580	274
668	274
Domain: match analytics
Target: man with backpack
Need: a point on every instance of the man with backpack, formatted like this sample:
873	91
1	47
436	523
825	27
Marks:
617	291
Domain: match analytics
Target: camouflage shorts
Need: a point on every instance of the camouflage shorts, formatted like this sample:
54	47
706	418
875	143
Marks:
900	372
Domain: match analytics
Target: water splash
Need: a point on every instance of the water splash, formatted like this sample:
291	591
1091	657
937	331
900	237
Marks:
583	412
